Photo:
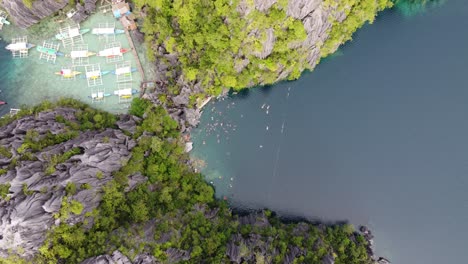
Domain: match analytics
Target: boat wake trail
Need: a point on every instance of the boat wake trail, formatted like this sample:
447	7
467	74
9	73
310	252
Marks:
278	150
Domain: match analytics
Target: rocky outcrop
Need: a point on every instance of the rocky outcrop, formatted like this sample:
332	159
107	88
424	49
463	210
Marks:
116	257
83	11
35	197
24	16
317	19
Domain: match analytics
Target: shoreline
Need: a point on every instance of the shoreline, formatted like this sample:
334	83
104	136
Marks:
35	79
191	121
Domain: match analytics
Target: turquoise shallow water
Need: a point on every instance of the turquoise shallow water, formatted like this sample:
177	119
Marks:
375	136
29	80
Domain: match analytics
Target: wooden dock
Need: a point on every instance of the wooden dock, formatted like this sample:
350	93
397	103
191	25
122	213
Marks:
135	53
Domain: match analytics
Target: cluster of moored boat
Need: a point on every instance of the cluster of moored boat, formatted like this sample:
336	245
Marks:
51	50
69	73
109	52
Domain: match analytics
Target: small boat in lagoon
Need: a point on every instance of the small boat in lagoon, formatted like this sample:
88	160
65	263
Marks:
127	72
95	75
95	95
49	51
3	103
19	46
107	31
67	73
81	54
126	92
72	33
112	52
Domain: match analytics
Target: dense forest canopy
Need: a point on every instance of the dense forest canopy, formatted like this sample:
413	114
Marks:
231	44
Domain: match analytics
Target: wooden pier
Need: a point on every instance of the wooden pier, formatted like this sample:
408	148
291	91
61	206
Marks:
135	53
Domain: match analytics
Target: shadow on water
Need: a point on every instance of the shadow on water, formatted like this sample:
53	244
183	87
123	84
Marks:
244	93
266	89
287	218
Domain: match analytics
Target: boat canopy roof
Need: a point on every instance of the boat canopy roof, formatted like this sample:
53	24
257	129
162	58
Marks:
98	95
79	54
66	72
73	32
123	70
123	92
110	52
93	74
99	31
17	46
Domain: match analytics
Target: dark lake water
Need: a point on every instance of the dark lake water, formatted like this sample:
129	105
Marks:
377	135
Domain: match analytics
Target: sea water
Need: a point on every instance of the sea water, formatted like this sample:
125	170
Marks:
28	81
377	136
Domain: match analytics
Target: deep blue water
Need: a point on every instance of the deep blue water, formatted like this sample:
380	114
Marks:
376	136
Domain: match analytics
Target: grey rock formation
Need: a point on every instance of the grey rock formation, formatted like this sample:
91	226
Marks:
268	44
128	123
192	116
25	17
116	258
264	5
244	8
328	259
183	98
25	217
83	11
293	253
299	9
176	255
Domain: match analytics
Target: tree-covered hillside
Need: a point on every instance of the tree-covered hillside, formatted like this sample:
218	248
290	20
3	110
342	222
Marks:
154	207
242	43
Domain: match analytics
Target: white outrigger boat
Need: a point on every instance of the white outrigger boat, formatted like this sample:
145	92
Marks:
98	95
112	52
74	32
107	31
81	54
68	73
93	74
123	70
125	92
19	46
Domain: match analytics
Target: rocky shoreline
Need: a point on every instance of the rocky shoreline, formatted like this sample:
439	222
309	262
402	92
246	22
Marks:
37	210
30	211
24	16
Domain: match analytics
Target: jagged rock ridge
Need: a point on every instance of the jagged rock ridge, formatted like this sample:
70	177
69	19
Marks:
26	217
25	17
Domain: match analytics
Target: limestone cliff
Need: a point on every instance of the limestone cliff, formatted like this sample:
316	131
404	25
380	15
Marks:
260	42
35	194
82	186
24	16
